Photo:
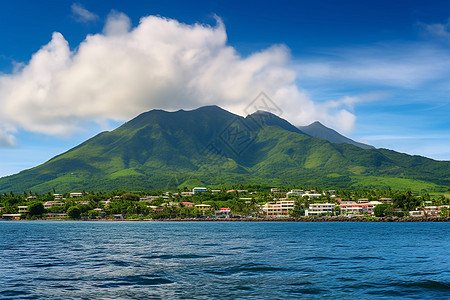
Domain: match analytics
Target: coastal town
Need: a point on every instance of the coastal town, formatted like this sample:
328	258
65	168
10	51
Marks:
201	203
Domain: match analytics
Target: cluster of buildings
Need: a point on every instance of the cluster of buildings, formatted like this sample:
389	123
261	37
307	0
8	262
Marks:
283	204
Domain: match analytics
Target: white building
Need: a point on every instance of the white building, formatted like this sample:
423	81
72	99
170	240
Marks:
75	195
317	209
280	208
199	190
356	209
295	193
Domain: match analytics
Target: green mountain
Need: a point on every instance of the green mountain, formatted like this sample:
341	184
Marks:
210	146
318	130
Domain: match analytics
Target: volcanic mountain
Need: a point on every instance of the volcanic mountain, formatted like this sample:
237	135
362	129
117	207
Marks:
211	146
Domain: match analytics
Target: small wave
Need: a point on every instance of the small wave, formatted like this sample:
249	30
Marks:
180	256
140	280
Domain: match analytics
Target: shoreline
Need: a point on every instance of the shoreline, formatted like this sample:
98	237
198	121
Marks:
281	219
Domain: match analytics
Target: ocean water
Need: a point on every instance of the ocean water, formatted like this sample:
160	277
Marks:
224	260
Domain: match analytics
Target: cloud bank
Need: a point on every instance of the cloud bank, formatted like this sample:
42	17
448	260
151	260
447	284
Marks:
80	14
161	63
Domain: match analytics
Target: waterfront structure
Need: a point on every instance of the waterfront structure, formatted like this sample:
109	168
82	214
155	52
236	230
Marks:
223	212
355	209
318	209
280	208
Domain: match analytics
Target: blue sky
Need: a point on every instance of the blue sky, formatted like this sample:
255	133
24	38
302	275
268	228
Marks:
377	71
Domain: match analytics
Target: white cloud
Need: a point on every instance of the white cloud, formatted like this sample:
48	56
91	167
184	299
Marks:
81	14
7	139
437	29
406	65
161	63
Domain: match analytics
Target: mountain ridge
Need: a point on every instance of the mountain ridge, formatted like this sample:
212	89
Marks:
209	145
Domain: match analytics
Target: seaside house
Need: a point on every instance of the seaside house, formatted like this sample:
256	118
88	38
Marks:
223	212
56	215
318	209
356	209
279	208
203	207
11	216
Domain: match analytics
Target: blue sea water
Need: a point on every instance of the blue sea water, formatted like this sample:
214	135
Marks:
224	260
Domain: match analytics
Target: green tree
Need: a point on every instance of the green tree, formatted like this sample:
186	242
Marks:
382	210
74	212
36	209
298	210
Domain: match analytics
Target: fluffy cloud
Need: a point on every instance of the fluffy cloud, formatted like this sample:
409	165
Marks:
81	14
7	139
161	63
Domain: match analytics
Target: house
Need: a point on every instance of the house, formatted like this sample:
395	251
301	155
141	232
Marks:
279	208
188	204
215	191
386	200
49	204
11	216
83	202
295	193
56	215
274	190
356	209
148	198
312	195
199	190
223	212
434	210
75	195
23	209
57	196
416	213
318	209
187	194
203	207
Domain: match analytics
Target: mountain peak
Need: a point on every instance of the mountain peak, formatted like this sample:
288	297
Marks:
318	130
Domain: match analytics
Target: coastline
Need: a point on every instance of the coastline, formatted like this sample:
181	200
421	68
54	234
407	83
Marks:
281	219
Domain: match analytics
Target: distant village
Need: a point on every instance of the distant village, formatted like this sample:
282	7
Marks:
202	203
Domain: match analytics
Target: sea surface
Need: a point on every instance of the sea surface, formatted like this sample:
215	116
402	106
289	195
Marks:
224	260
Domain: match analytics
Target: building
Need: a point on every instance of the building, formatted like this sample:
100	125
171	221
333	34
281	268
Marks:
188	204
279	208
223	212
295	193
11	216
199	190
187	194
416	213
23	209
203	207
318	209
49	204
56	215
356	209
274	190
75	195
312	195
